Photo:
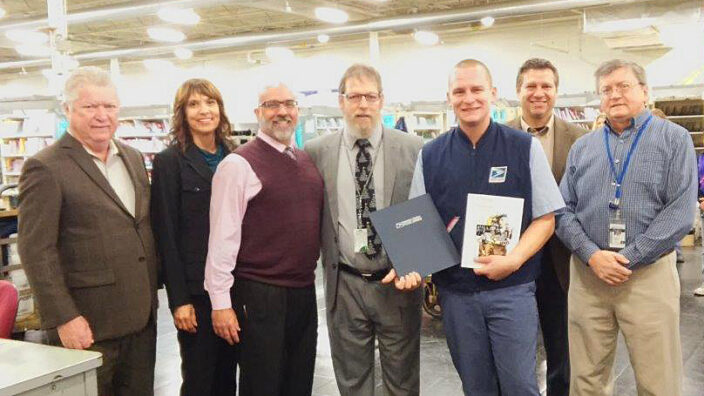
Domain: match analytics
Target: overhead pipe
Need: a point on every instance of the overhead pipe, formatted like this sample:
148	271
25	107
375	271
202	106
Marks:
419	20
113	13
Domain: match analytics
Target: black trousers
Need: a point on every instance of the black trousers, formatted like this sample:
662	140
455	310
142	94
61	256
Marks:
552	311
208	363
278	338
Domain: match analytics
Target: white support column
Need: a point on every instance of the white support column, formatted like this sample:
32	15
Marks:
58	31
374	54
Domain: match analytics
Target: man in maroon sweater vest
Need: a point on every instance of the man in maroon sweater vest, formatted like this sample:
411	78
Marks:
264	243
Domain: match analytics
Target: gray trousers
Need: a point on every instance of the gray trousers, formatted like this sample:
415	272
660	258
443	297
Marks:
365	311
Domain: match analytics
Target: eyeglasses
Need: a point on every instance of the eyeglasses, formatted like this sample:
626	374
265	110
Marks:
357	98
621	88
276	104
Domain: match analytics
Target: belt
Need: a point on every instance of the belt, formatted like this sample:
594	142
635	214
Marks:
367	276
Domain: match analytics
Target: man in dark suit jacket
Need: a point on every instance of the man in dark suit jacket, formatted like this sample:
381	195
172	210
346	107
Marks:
86	242
366	167
536	86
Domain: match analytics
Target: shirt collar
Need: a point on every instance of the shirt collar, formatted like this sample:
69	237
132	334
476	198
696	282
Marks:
636	123
113	150
550	124
374	139
280	147
482	139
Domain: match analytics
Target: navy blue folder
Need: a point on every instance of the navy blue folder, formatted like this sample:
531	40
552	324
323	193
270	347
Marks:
415	237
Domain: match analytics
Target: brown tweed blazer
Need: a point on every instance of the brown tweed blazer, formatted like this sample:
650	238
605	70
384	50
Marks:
83	252
565	136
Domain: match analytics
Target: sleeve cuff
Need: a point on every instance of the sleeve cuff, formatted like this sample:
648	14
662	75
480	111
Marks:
632	255
177	302
221	300
586	251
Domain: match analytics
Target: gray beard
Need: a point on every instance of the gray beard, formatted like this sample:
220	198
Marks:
359	133
283	135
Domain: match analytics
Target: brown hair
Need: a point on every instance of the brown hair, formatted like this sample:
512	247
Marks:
180	131
536	64
359	70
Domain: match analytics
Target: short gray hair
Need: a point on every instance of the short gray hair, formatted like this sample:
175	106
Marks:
609	67
83	76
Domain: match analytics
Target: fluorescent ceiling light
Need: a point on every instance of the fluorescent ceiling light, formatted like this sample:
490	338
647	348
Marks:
33	50
25	36
425	37
323	38
166	34
183	16
157	65
183	53
331	15
487	21
279	53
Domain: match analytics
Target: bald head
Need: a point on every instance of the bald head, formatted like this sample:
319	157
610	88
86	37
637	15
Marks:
466	64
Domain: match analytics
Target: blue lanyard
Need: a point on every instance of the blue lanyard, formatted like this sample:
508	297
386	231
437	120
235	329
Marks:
618	178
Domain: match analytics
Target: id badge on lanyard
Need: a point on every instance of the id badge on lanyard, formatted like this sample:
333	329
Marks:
617	230
617	225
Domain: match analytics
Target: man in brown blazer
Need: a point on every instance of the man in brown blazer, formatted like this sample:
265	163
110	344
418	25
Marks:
85	239
536	86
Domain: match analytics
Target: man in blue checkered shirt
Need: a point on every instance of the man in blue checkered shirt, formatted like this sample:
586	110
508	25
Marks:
628	190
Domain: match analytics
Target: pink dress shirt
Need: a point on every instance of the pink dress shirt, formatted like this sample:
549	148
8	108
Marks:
234	185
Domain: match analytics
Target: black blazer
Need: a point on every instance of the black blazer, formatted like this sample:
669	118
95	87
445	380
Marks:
180	208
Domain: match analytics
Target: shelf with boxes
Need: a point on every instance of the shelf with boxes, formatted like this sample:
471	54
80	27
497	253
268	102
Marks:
22	137
145	129
325	124
27	317
426	124
687	112
583	116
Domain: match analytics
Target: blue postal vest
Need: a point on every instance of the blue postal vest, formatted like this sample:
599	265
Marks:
453	168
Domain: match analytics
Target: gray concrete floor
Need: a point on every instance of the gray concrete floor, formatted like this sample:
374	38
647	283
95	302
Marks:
438	376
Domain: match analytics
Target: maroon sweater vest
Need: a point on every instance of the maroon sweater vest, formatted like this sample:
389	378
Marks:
281	227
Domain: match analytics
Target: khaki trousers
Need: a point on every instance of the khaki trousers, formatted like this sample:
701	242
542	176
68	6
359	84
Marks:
647	311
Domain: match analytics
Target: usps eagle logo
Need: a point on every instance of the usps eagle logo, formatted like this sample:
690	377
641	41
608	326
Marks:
498	174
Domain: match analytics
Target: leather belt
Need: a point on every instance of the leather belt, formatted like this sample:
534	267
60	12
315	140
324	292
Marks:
367	276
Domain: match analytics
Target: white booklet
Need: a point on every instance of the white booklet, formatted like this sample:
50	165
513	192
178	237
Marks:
492	227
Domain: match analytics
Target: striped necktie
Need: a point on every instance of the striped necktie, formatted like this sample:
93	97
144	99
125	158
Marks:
289	151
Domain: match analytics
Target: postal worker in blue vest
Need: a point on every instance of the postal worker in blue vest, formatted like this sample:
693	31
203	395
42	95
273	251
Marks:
490	315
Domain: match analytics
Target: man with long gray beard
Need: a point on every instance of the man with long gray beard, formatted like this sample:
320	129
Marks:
265	234
367	167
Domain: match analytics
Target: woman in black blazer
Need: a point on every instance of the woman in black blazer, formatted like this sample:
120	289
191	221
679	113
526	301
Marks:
181	180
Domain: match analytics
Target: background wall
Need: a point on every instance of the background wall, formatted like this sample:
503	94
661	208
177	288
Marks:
410	72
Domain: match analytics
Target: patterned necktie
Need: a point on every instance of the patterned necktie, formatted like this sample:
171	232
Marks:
538	131
289	151
366	201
